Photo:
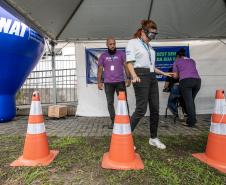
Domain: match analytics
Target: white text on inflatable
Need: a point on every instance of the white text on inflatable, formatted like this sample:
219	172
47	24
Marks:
12	27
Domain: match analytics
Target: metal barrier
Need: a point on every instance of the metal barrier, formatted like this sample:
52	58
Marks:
42	79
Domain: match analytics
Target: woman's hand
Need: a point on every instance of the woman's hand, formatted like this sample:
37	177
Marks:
135	79
168	74
100	85
134	76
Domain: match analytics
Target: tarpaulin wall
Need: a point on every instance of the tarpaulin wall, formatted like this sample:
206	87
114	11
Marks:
210	56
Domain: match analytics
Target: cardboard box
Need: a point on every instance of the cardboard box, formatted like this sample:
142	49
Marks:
57	111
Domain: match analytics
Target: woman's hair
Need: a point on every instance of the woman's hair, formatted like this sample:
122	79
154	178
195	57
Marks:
145	24
181	52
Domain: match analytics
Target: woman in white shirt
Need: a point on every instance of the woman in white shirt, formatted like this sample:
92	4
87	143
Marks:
140	57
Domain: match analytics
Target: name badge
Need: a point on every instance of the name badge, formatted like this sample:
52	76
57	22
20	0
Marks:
112	68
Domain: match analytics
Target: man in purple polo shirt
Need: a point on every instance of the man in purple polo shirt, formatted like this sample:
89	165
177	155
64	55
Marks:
112	63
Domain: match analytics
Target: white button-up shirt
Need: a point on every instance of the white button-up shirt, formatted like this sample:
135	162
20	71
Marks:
141	53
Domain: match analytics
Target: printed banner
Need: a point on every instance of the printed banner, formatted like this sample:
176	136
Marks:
165	56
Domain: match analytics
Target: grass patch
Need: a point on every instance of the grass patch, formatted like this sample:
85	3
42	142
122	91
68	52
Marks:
79	163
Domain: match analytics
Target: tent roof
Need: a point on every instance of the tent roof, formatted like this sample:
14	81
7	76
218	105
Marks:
98	19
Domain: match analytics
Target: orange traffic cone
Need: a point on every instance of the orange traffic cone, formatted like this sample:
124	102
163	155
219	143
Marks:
215	155
122	155
36	150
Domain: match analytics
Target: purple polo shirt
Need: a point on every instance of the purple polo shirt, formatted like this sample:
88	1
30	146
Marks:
186	68
113	66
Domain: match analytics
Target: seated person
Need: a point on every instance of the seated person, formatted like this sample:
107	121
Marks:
175	99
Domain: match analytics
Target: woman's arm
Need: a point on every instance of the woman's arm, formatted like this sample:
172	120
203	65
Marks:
158	71
134	76
128	78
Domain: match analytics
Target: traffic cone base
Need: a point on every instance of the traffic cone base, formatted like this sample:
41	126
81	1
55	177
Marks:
215	155
136	164
126	159
215	164
39	162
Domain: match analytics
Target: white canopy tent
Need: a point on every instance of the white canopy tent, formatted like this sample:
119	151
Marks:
197	23
97	19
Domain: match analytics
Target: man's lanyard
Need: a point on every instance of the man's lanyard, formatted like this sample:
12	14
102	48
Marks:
112	57
146	46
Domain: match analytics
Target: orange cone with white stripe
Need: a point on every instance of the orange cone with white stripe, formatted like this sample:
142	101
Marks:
215	155
122	155
36	151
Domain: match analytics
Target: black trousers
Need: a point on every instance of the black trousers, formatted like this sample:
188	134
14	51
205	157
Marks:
110	89
189	88
146	92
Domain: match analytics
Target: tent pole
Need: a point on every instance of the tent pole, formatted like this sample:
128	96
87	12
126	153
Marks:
53	54
150	9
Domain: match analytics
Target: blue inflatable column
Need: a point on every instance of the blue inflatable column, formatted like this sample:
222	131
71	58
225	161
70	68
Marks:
21	48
